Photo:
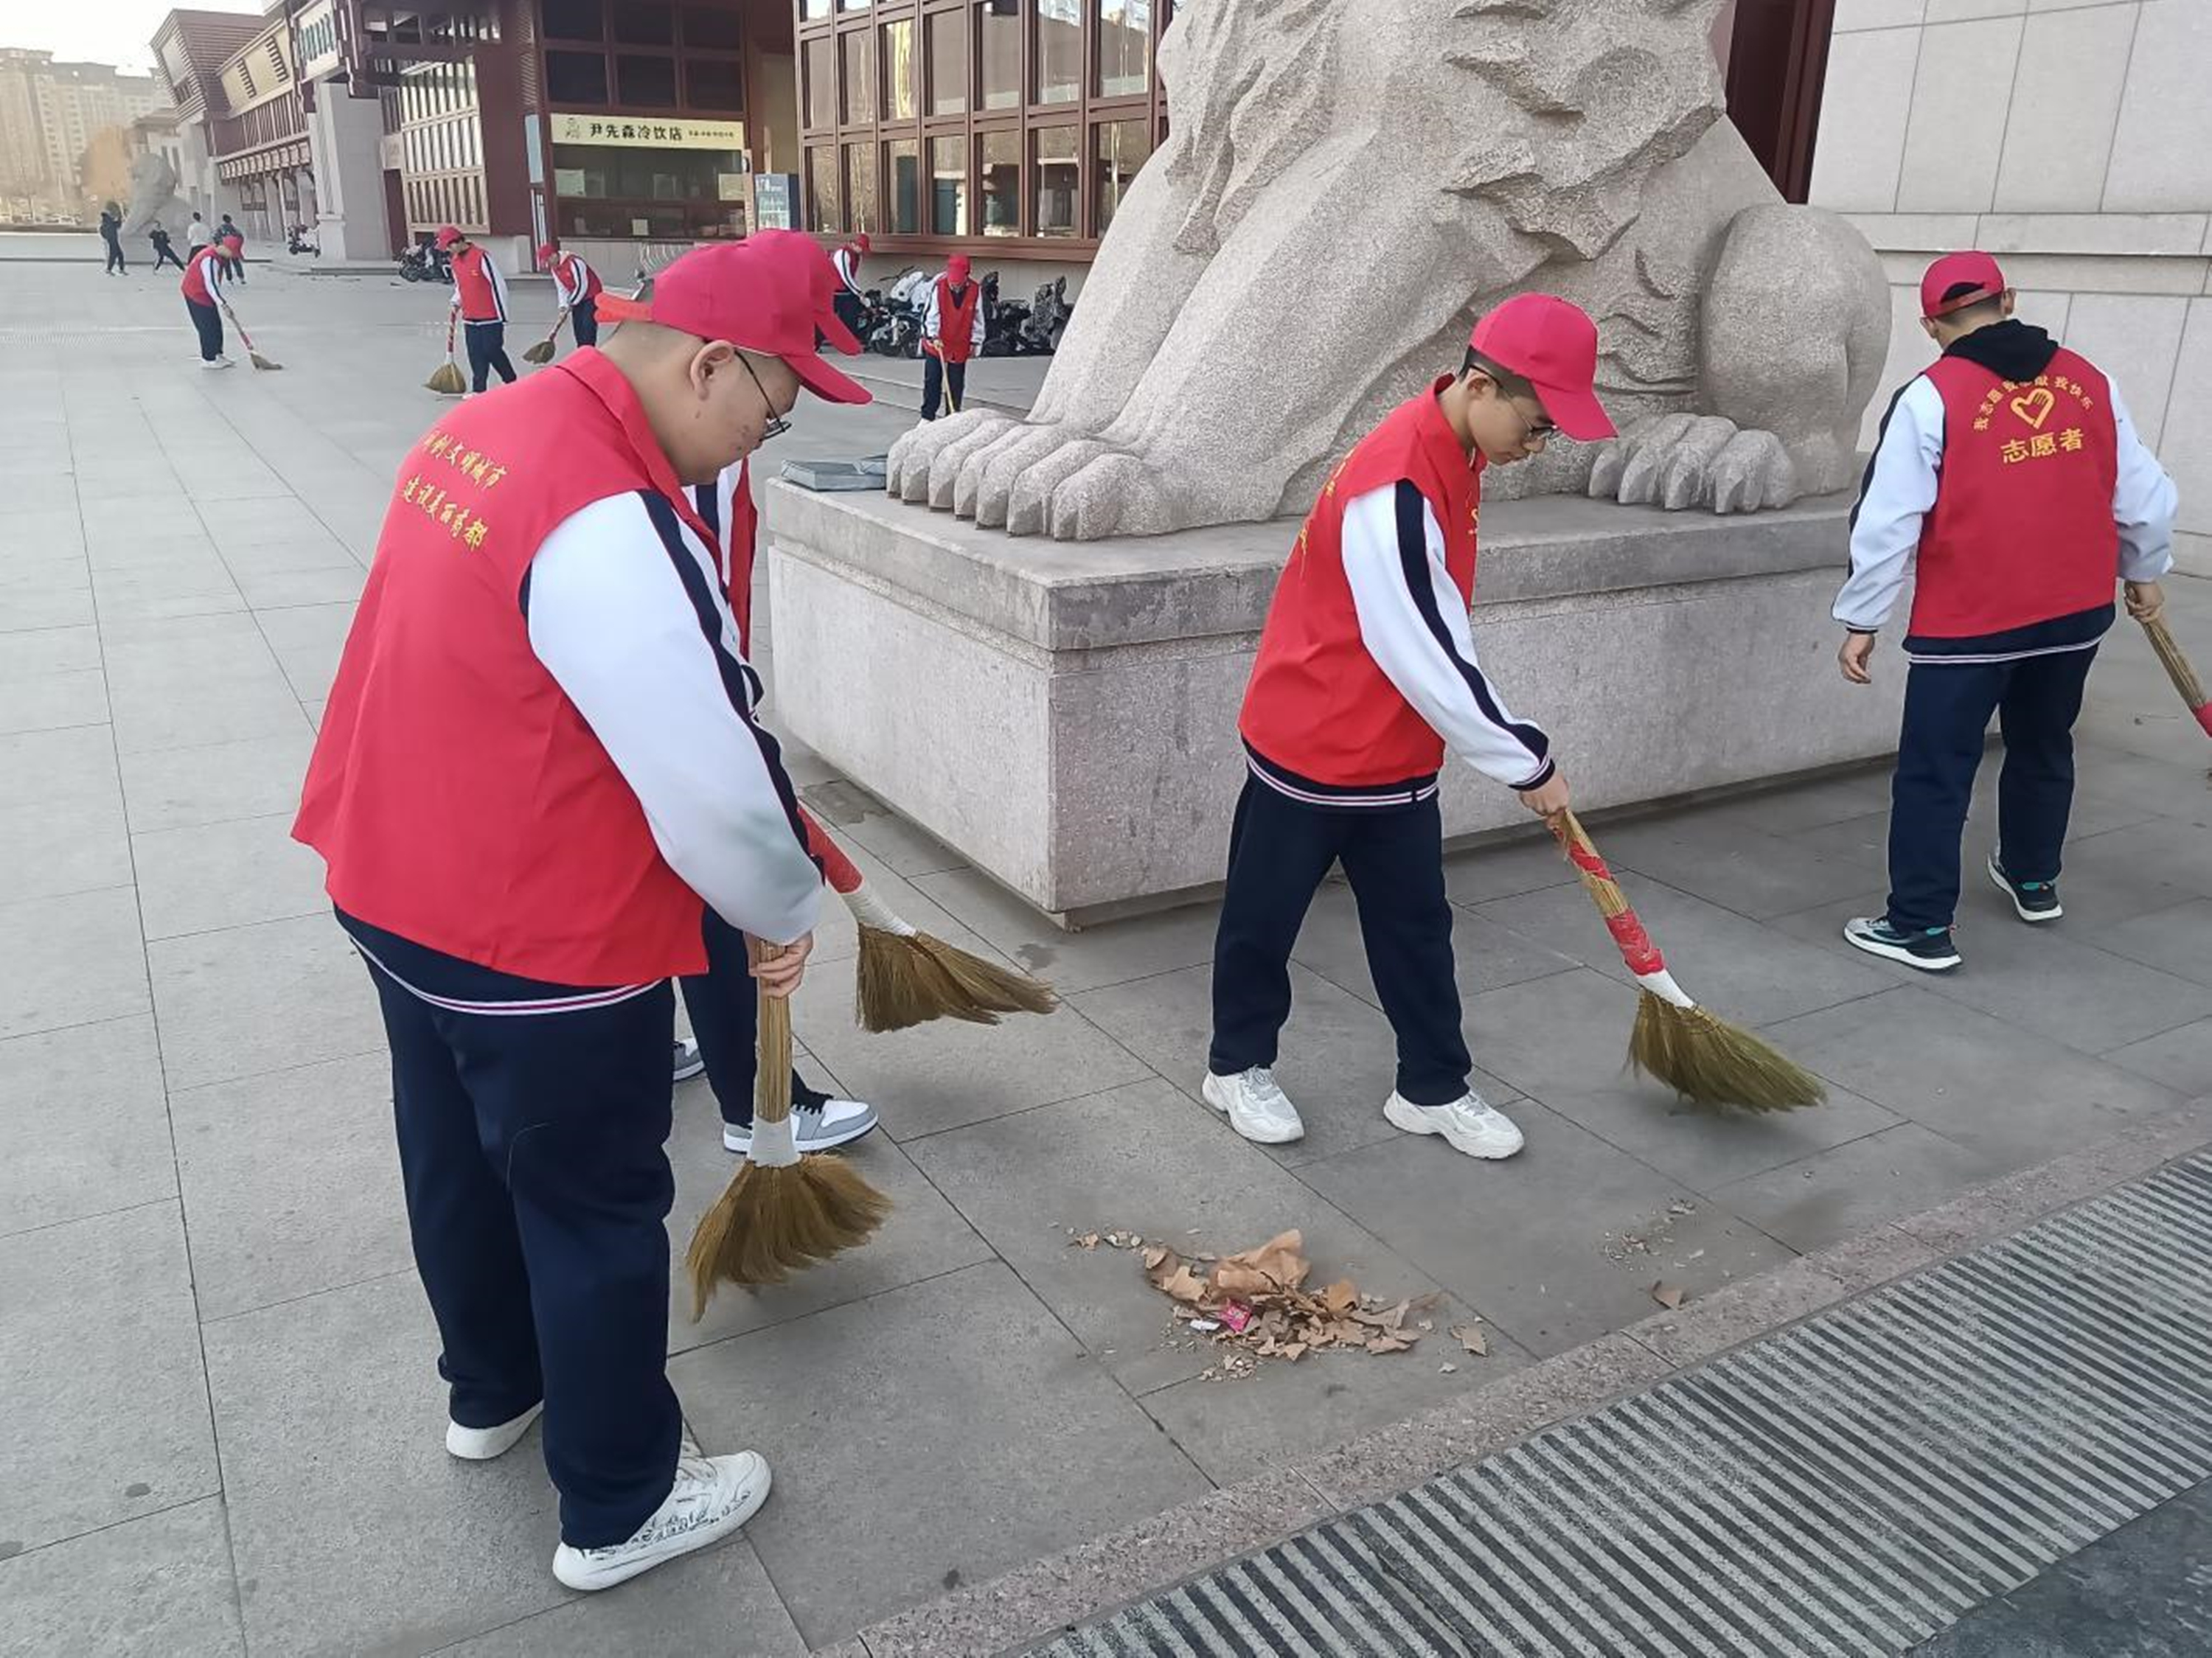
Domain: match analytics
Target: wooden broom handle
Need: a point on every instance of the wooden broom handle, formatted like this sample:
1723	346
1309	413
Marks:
2178	670
772	1083
1640	955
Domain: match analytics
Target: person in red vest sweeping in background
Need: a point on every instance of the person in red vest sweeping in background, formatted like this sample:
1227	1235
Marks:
537	770
2010	474
576	286
951	332
480	295
1365	677
205	272
850	300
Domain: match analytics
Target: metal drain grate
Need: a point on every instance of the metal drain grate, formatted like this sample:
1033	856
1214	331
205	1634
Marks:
1850	1487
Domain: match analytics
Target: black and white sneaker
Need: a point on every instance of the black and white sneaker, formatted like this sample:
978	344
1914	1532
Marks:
1928	949
822	1128
688	1062
2032	900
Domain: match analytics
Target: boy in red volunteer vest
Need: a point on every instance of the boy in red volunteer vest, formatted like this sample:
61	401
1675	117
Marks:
537	768
205	272
951	332
576	286
1366	675
480	295
848	300
2011	477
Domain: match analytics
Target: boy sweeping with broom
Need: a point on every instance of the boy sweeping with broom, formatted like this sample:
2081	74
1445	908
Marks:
2011	474
1366	675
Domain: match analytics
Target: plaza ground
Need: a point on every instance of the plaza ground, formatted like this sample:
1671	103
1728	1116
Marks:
223	1429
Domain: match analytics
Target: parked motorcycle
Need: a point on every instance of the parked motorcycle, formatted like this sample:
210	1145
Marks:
423	262
296	240
1047	320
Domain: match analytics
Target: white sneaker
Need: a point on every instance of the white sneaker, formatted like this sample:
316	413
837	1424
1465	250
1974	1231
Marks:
1255	1106
482	1444
217	362
712	1497
817	1128
1469	1124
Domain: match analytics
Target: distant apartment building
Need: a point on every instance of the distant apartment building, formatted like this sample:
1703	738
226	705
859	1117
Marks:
57	120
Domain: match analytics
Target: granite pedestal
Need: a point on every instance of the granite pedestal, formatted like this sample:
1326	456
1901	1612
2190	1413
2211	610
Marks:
1064	713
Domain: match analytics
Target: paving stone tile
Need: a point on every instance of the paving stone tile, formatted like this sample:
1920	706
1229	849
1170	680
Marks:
1488	956
838	939
853	814
31	655
211	875
54	701
159	1586
249	1000
353	1530
106	1402
1505	869
1339	1059
52	848
218	782
1839	1194
849	1406
195	713
62	608
70	961
2181	857
85	1122
1744	870
1112	953
2180	1059
2014	1095
72	763
718	1600
925	1236
1540	1244
327	585
1736	967
1565	1042
2175	940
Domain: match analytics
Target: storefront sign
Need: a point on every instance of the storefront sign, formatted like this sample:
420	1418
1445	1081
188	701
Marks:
775	201
631	133
730	187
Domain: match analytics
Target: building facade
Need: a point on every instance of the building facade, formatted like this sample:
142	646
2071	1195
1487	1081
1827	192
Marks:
190	50
259	135
65	136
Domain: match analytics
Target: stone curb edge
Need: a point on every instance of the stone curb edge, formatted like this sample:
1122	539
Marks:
1035	1601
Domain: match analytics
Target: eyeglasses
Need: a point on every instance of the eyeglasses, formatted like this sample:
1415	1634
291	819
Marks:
777	425
1531	431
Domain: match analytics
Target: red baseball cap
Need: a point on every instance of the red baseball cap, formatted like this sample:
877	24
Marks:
449	235
1955	271
547	250
1552	344
761	294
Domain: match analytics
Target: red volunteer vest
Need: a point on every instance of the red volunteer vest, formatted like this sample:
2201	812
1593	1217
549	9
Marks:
956	319
194	286
479	302
455	791
2022	529
1317	703
574	269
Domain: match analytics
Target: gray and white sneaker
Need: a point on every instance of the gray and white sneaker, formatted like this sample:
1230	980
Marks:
1469	1124
482	1444
1255	1106
688	1061
712	1497
823	1127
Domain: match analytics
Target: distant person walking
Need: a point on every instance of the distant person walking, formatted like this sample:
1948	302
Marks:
111	232
480	295
951	332
198	235
205	274
164	253
577	287
228	235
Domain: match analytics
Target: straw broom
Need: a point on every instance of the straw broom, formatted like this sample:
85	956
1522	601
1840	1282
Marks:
446	380
1704	1059
542	351
2178	670
251	356
905	976
781	1212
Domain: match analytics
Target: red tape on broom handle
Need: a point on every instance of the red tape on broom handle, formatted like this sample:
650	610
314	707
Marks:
1637	949
843	875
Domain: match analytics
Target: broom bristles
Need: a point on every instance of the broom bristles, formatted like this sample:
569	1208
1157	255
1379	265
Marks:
771	1223
1714	1064
446	378
541	352
260	362
906	980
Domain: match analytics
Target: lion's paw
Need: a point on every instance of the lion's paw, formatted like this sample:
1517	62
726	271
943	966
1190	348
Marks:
908	474
1677	461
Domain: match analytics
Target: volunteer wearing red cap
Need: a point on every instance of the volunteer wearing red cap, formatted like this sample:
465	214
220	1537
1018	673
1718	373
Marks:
480	295
205	272
951	332
537	767
2009	475
576	286
849	300
1366	675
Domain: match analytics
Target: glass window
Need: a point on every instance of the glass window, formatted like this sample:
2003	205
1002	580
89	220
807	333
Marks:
903	187
1000	22
948	186
861	187
576	78
645	23
812	9
575	20
948	61
854	6
711	28
647	81
857	50
1058	178
1001	156
1059	50
899	71
822	192
1125	47
715	83
1118	148
822	82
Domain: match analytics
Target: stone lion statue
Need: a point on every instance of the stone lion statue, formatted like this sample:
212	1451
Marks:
153	196
1345	188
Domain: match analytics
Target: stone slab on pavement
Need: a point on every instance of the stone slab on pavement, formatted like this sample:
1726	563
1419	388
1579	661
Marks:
85	1122
1084	958
216	782
51	848
158	1587
1839	1194
46	767
71	961
1487	956
2180	1059
249	1000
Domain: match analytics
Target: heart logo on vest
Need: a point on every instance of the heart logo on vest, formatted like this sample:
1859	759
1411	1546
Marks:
2034	407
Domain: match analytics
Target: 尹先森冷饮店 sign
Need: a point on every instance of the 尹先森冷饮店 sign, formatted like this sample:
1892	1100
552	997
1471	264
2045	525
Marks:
659	134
